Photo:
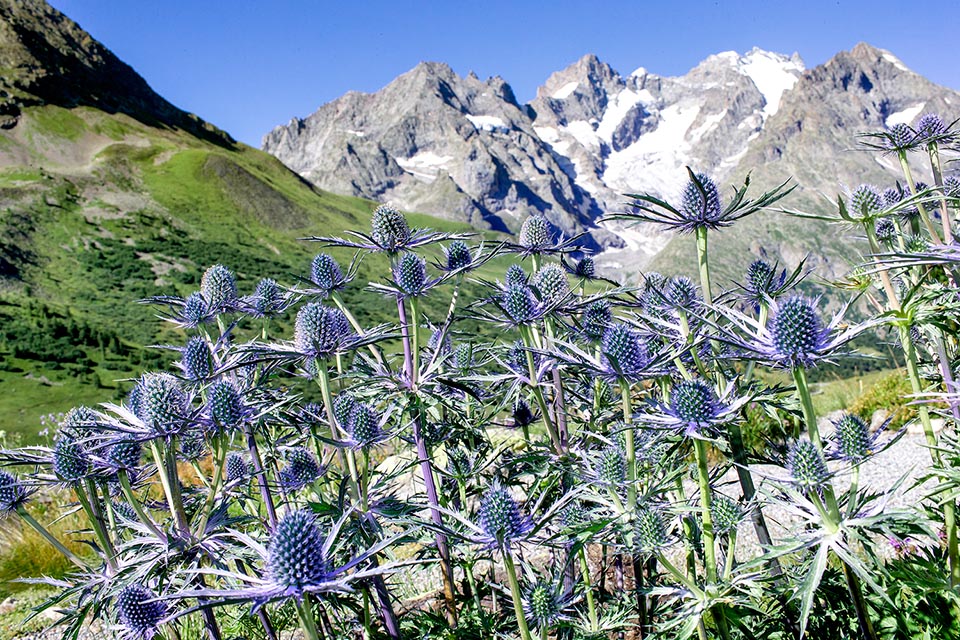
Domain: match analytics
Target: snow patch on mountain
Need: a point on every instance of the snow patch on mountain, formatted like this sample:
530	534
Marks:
566	90
488	123
905	116
773	74
425	165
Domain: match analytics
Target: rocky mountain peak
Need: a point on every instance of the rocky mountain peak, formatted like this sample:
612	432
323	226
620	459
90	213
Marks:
48	58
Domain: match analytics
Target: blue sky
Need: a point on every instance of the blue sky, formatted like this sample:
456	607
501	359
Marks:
249	65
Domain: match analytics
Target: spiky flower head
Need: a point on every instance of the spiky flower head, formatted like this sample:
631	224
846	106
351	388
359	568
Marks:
807	466
535	234
389	228
700	203
139	611
125	455
610	465
916	244
517	358
523	415
852	438
931	127
886	231
325	272
726	514
519	303
796	331
267	297
12	493
463	356
440	342
196	360
343	406
237	467
219	287
124	510
694	404
951	187
70	460
585	268
295	558
865	200
551	283
681	292
457	255
574	514
901	138
162	404
195	310
543	604
319	330
515	276
759	274
625	352
192	446
595	319
225	405
499	516
363	425
302	469
410	274
649	531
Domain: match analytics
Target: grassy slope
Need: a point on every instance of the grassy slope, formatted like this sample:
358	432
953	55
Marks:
120	212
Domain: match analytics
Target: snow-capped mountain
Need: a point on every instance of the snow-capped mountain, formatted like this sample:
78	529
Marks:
465	148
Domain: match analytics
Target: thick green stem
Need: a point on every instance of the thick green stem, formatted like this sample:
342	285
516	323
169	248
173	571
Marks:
220	457
813	432
706	516
588	589
629	443
731	555
307	622
93	515
515	592
933	150
537	390
924	215
703	265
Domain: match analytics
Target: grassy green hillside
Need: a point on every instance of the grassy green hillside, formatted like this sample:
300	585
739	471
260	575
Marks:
99	210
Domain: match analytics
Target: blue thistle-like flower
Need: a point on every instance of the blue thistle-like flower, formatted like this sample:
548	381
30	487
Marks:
695	405
610	466
798	336
195	310
916	244
515	276
520	304
410	274
319	331
225	405
296	559
551	283
440	342
902	138
681	293
139	611
363	426
219	288
951	188
196	359
237	467
543	604
70	461
267	299
852	438
931	128
325	272
649	531
192	446
726	514
575	514
516	358
457	256
866	200
124	510
499	516
886	231
389	228
343	406
585	268
700	203
12	493
523	415
463	357
125	454
595	320
535	234
161	403
626	353
302	469
759	275
807	467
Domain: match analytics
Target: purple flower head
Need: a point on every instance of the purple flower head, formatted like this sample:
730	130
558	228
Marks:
516	358
139	611
457	256
410	275
267	299
81	421
13	494
363	426
808	469
519	303
499	516
681	293
196	310
852	439
902	138
343	406
225	407
700	203
865	201
296	557
535	234
219	288
320	331
551	285
161	403
515	276
325	272
125	455
595	320
931	128
523	415
389	229
196	359
625	353
70	460
695	406
886	231
302	469
798	337
237	467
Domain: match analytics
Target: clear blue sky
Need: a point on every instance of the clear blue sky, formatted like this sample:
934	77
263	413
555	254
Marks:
249	65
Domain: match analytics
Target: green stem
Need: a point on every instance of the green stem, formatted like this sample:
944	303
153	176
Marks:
588	590
933	150
347	456
680	577
90	506
924	215
703	265
731	555
39	528
137	507
515	592
307	621
220	457
537	391
706	516
628	439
